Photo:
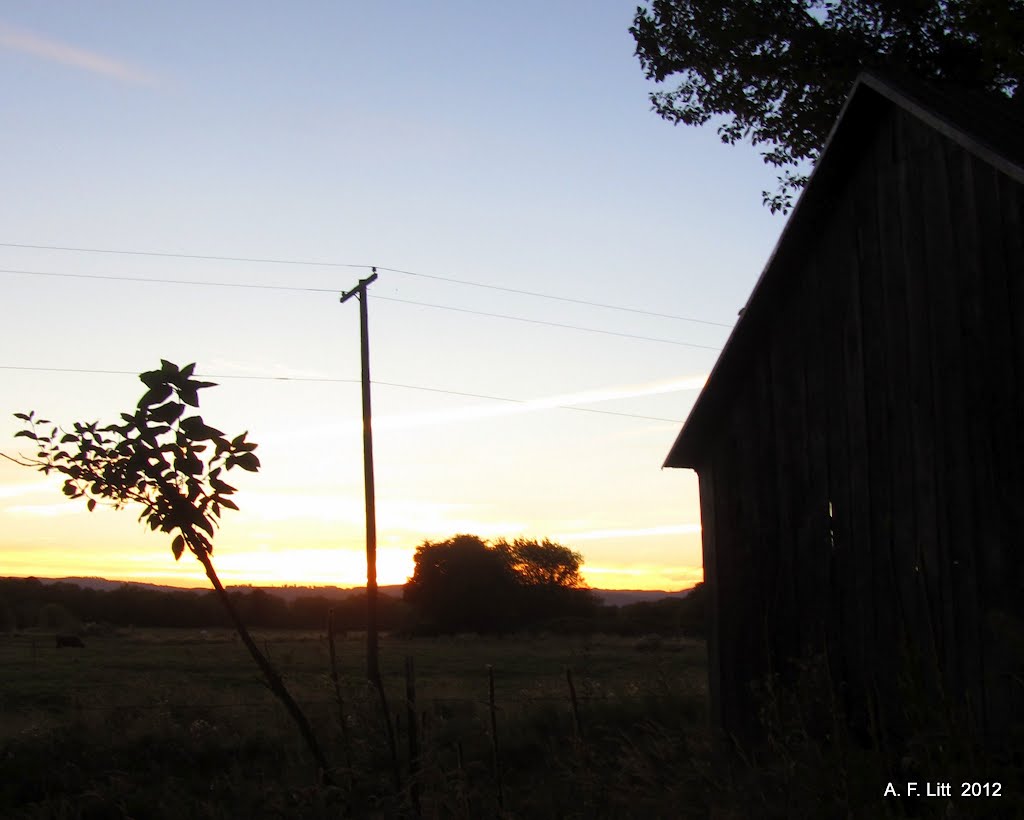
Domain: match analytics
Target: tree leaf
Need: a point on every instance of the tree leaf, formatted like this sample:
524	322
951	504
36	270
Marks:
167	413
27	434
156	395
248	461
22	416
202	522
178	546
92	504
151	378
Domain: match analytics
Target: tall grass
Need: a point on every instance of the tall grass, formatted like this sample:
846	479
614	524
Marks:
107	732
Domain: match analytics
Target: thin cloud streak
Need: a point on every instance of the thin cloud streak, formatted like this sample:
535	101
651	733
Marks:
548	403
34	487
595	535
54	51
45	510
486	411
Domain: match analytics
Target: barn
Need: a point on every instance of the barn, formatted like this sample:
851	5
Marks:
860	441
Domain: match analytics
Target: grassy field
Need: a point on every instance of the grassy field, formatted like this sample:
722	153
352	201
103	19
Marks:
176	723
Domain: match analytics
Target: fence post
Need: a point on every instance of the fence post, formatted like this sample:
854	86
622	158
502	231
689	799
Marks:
414	746
494	738
577	726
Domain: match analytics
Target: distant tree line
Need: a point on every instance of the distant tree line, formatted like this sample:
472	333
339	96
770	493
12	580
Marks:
27	602
463	584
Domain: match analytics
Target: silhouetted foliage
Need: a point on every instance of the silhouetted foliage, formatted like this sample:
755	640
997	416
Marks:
171	464
462	585
466	585
779	71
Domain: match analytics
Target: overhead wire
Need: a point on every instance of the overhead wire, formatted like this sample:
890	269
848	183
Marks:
344	381
152	280
326	264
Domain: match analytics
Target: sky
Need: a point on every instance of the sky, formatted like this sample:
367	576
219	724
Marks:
477	153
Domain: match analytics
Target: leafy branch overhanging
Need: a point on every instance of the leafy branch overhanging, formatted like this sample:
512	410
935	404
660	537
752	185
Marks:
172	465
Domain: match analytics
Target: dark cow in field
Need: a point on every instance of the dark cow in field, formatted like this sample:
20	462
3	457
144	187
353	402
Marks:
69	640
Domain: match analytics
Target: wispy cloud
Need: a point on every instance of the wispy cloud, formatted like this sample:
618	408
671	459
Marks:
54	51
550	402
45	510
510	407
26	488
641	532
643	576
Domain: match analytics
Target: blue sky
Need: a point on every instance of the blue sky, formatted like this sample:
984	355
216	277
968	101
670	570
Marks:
509	145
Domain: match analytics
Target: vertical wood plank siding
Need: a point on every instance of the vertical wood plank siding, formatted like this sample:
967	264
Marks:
863	498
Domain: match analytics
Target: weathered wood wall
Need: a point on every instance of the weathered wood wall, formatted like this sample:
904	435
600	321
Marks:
863	497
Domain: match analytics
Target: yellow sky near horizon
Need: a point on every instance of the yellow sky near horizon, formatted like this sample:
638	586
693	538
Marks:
299	525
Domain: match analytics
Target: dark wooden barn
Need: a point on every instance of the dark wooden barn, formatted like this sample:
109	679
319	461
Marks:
860	442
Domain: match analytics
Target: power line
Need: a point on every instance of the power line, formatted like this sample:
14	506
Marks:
149	280
549	324
344	381
322	264
202	375
152	280
183	255
557	298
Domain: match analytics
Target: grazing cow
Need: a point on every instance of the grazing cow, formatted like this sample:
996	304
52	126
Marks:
69	640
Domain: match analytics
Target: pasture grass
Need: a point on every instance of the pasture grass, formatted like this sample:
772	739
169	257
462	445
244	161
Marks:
176	723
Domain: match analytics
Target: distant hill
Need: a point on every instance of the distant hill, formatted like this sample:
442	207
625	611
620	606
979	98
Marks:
608	597
623	597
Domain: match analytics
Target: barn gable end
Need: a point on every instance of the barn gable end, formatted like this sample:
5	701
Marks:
861	469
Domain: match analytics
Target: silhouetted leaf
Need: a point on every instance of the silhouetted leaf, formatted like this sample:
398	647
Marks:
27	434
68	437
189	397
22	416
152	378
186	371
248	461
156	395
202	522
227	502
221	487
168	412
198	430
178	546
92	504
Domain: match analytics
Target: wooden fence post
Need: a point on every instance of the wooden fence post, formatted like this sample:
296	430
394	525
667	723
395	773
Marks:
414	748
494	738
578	728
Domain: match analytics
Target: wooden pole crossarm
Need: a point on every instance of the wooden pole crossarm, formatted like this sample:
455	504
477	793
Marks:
359	289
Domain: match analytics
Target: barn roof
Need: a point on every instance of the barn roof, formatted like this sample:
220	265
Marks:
992	129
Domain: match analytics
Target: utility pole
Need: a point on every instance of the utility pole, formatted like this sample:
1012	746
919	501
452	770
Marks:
372	661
